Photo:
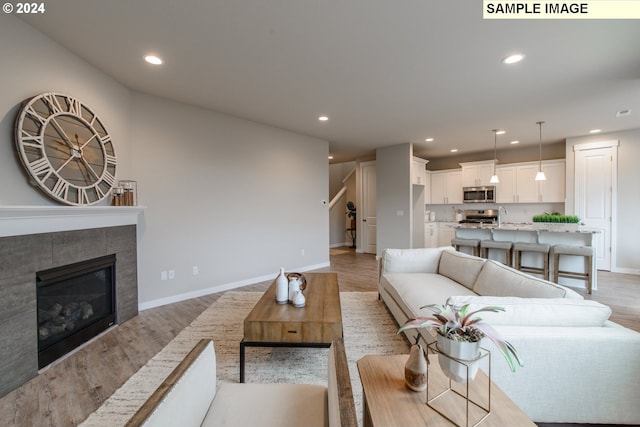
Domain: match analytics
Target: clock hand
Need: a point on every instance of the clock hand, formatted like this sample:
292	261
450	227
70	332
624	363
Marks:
86	142
65	163
62	133
89	168
60	150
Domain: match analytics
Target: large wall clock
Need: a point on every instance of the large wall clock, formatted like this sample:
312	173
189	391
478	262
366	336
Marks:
65	149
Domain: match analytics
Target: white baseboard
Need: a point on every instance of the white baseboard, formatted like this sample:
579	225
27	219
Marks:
221	288
626	271
339	245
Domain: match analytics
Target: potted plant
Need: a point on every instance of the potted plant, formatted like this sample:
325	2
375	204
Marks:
351	213
556	221
459	332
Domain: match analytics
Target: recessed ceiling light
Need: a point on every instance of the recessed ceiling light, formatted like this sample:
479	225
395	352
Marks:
429	140
323	118
512	59
501	132
515	142
152	59
330	157
454	150
623	113
595	131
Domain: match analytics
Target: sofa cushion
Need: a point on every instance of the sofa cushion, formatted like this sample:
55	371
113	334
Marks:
460	267
414	290
499	280
424	260
282	405
561	312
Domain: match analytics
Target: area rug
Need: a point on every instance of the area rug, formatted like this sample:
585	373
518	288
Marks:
368	328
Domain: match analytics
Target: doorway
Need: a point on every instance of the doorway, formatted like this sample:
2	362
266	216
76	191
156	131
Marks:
368	224
595	189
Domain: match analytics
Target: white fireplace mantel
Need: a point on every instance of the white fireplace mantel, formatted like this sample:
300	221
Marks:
21	220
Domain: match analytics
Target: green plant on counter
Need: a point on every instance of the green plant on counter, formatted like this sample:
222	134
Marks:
571	219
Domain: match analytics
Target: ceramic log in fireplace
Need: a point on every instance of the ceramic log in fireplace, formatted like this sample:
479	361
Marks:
75	303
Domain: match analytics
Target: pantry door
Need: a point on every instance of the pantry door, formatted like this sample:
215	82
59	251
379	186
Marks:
595	172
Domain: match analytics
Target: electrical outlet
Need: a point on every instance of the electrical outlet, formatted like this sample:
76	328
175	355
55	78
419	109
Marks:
194	270
163	275
302	252
172	274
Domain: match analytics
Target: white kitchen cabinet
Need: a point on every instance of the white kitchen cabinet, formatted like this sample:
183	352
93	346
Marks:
553	189
418	171
476	174
430	235
446	187
446	232
518	183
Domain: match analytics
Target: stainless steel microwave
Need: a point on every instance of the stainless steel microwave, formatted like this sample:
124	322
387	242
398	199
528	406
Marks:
479	194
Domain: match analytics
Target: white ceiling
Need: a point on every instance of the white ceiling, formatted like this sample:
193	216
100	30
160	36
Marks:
385	72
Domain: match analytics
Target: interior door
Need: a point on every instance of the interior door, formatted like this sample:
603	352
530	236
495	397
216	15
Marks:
368	170
594	169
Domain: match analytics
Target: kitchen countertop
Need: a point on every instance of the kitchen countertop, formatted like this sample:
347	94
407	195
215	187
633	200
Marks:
524	226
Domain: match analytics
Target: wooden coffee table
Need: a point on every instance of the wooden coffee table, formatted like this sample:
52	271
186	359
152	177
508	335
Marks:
282	325
388	402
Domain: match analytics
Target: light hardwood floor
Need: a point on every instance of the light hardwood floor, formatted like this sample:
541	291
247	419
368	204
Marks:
68	391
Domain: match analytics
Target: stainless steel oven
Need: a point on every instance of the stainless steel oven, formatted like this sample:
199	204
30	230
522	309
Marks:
485	194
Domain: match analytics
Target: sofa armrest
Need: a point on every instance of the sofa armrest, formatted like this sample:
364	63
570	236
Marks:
181	390
422	260
342	409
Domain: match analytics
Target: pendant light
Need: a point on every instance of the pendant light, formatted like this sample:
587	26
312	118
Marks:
540	175
494	178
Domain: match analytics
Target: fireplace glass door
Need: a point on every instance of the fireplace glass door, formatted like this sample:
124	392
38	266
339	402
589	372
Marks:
75	303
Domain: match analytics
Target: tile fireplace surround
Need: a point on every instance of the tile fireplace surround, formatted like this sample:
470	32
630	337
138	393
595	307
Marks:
38	238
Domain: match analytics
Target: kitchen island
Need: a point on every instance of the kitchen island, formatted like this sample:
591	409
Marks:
552	234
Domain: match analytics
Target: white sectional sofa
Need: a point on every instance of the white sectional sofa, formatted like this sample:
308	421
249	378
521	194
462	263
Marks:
190	397
579	366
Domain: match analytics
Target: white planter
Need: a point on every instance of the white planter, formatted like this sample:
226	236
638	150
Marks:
556	226
465	351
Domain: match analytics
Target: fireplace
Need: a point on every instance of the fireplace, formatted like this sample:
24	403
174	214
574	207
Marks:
41	238
75	303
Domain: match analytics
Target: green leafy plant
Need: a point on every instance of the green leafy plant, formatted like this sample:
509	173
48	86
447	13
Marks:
570	219
459	324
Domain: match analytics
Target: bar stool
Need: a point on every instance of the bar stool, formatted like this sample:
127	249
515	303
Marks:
541	248
485	245
584	251
474	244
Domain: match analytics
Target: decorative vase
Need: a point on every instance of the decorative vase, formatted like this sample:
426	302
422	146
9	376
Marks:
282	288
464	351
294	287
299	299
415	370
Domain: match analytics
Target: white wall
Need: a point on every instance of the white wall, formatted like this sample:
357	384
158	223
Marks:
627	231
393	184
233	197
33	64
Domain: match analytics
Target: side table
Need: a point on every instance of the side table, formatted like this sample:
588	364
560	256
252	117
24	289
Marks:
388	402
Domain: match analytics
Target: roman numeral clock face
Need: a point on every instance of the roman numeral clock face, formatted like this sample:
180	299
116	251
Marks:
65	149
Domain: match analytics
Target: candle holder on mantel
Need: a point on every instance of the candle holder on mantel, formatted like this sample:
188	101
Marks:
116	196
128	192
